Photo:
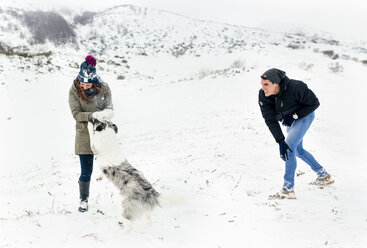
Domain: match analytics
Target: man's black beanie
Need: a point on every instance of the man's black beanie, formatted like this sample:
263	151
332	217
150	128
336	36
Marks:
273	75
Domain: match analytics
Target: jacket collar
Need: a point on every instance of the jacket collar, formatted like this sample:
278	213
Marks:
283	86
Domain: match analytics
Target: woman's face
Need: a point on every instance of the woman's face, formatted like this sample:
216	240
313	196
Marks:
85	86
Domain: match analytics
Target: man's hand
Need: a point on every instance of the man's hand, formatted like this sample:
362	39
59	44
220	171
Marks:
288	120
283	149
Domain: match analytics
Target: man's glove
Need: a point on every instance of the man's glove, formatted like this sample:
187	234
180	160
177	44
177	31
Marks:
283	149
288	120
102	116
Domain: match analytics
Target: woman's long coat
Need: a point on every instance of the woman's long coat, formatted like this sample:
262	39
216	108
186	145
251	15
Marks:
82	113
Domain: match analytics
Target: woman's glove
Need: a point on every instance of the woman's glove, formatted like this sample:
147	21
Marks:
104	115
283	149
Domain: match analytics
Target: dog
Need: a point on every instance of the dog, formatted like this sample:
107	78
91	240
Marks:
137	192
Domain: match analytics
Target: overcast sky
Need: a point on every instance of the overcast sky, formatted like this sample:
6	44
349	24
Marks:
347	18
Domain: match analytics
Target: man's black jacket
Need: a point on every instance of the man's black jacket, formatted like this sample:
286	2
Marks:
294	98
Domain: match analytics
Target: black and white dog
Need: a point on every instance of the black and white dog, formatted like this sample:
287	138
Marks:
137	193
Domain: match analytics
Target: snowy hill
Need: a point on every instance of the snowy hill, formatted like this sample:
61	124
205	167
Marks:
130	29
115	35
185	98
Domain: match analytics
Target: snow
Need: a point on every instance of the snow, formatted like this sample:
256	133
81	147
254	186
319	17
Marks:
199	138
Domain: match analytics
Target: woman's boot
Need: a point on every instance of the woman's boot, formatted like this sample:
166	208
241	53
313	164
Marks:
84	194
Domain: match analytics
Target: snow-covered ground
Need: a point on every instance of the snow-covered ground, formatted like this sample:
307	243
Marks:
203	144
193	126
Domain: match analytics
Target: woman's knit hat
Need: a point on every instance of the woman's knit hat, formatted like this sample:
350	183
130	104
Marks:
87	73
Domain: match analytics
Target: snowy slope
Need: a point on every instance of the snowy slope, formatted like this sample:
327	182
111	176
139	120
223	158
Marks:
192	125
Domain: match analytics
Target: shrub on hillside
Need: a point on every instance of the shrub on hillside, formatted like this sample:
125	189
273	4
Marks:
336	67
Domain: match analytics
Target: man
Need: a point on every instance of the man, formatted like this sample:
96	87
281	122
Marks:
293	103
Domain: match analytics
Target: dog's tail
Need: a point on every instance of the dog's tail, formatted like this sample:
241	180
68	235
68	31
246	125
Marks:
152	198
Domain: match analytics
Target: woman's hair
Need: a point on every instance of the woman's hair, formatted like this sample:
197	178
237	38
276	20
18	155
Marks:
81	92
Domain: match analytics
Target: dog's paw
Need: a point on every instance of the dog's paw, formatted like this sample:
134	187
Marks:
126	225
149	220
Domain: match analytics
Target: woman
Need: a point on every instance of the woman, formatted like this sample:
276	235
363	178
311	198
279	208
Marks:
87	97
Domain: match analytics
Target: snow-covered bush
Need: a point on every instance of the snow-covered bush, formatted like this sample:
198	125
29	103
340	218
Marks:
238	64
335	67
296	45
306	66
204	72
236	67
331	54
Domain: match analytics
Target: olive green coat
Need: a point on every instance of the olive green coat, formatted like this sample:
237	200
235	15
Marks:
82	113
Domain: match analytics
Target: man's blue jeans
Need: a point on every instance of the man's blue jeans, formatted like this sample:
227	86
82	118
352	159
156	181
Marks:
294	139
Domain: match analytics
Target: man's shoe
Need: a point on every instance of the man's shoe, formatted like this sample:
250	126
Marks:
283	194
323	181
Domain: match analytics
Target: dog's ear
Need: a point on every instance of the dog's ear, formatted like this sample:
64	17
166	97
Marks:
101	126
115	128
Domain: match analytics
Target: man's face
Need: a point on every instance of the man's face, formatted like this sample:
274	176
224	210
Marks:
269	88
